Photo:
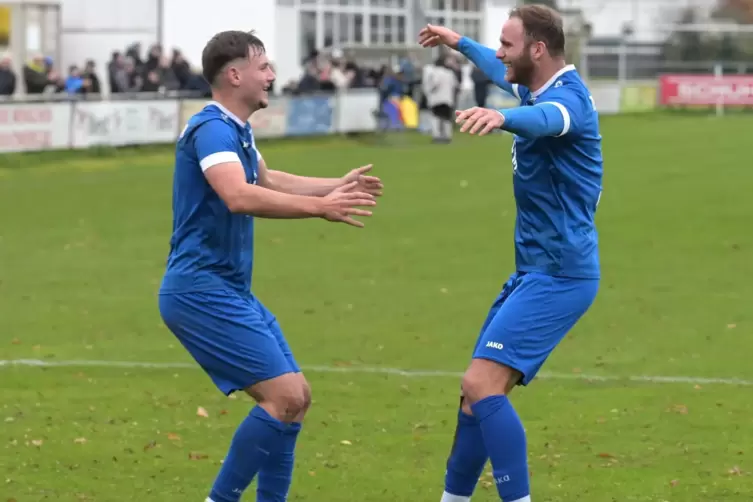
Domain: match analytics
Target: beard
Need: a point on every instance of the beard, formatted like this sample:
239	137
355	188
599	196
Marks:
521	70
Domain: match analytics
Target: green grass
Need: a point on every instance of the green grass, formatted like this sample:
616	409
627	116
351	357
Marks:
83	241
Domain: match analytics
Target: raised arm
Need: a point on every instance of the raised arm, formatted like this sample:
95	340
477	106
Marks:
214	143
483	57
486	61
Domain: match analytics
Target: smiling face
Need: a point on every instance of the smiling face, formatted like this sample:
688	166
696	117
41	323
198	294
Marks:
517	52
237	62
253	76
533	35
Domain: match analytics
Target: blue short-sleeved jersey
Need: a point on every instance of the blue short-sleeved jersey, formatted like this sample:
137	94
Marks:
210	248
557	182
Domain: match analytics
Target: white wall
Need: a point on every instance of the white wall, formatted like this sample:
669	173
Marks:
189	24
495	15
288	55
93	29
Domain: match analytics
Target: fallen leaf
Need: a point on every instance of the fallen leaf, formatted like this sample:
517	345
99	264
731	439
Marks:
735	471
674	482
202	412
606	455
731	326
80	440
679	408
697	387
197	456
37	442
172	436
312	473
345	442
16	341
223	412
150	445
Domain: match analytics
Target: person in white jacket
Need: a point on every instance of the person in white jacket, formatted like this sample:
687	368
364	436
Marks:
440	85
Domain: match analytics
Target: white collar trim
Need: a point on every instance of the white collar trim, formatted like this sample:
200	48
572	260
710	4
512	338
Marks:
228	113
551	81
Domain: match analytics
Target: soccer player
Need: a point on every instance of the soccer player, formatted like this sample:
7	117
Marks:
557	174
221	183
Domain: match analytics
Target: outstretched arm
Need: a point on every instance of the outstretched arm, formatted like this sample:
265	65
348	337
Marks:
281	181
215	144
486	61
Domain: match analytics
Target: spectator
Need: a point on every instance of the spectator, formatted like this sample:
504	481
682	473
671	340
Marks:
309	83
167	79
340	77
74	84
91	80
181	69
39	75
152	83
127	78
117	62
7	77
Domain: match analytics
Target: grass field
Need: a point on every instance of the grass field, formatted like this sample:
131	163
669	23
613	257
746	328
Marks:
83	241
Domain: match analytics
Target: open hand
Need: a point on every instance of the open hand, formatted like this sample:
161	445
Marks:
479	120
364	182
343	203
432	36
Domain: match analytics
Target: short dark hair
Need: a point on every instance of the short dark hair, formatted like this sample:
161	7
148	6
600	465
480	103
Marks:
225	47
542	24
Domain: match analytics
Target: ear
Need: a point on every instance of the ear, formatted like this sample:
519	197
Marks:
538	49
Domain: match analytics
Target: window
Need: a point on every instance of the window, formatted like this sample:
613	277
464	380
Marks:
344	24
329	29
358	29
308	33
387	20
401	38
374	25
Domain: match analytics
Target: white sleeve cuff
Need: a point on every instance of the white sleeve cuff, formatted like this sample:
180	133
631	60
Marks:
565	117
218	158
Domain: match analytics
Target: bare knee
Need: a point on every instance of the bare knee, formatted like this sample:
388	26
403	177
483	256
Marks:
286	397
485	378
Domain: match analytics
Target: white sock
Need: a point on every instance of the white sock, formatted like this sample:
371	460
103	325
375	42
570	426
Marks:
449	497
527	498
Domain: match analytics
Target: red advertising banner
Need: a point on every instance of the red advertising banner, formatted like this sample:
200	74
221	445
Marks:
709	90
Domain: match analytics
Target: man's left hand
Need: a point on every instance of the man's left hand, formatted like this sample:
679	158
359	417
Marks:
364	182
479	120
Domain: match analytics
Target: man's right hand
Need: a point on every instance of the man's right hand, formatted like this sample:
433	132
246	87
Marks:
432	36
341	205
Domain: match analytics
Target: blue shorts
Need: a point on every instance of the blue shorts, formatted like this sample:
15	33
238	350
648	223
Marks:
232	336
530	317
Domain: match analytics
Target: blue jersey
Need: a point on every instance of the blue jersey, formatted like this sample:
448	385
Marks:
557	183
211	248
557	169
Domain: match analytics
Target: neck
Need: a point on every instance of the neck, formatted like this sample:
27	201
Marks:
546	72
235	106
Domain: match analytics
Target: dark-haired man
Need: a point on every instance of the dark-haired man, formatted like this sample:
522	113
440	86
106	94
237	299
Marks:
557	173
221	183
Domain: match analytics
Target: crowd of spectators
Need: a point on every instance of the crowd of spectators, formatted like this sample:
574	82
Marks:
133	71
127	72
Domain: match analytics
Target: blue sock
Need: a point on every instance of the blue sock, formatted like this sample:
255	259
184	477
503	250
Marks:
276	474
505	441
256	436
467	457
